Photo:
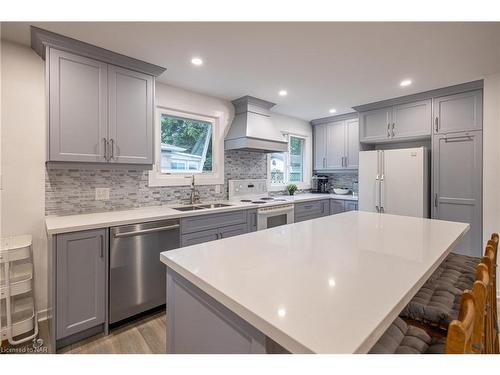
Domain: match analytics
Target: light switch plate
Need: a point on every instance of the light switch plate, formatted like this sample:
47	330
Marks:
102	194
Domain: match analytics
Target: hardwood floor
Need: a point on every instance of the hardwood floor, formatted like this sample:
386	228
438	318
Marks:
144	336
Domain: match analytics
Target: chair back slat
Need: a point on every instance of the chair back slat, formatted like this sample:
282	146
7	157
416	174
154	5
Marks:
459	339
480	291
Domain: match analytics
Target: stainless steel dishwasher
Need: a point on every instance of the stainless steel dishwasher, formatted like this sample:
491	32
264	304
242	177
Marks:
136	276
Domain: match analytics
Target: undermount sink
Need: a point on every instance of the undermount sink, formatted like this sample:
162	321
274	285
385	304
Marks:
215	205
201	206
188	208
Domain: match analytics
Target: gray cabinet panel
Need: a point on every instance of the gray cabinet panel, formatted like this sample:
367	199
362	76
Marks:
252	220
335	145
233	230
199	237
130	116
77	108
198	324
375	125
352	144
412	120
320	146
213	221
311	210
336	206
350	206
460	112
457	184
81	281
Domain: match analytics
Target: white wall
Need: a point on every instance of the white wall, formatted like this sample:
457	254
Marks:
491	157
23	154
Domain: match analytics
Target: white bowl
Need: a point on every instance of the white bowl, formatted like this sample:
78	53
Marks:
341	191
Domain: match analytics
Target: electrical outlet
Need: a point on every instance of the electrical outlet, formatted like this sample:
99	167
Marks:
102	194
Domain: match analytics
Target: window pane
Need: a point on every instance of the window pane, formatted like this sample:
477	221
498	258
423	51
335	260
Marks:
186	145
277	168
296	146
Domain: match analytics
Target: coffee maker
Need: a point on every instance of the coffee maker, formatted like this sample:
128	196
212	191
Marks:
319	184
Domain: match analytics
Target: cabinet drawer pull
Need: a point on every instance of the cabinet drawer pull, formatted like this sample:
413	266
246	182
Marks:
392	129
388	129
105	149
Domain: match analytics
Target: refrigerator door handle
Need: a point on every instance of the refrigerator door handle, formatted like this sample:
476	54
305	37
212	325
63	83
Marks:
377	192
382	177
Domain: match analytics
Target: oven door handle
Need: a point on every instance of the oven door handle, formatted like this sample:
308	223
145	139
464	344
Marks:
274	212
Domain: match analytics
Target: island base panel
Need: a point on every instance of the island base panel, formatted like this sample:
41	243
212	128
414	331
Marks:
198	324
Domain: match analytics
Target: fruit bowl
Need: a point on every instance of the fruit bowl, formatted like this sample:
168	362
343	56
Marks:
341	191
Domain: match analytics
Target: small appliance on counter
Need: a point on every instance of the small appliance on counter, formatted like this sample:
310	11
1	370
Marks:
319	184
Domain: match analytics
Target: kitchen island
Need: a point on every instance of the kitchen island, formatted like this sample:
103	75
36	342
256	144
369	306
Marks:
329	285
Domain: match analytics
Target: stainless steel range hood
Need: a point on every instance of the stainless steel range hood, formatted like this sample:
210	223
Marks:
252	128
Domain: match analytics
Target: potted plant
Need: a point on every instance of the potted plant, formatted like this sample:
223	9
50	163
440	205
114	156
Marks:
292	188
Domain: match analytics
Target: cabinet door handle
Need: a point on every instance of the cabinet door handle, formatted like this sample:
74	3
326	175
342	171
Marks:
388	129
105	148
392	130
112	141
324	162
436	124
101	251
435	200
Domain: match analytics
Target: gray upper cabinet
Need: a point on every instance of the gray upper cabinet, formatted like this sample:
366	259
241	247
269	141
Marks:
459	112
78	110
411	120
320	134
336	145
375	125
352	144
81	281
130	116
457	185
396	123
98	112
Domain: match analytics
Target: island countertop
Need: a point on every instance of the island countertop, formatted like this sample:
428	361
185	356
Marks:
328	285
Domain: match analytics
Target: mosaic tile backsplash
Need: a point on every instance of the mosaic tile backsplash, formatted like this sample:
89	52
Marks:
72	191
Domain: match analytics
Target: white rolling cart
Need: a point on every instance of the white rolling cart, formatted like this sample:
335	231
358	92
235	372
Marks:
17	297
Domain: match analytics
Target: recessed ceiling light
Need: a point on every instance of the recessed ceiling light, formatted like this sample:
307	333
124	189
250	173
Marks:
283	93
406	82
282	312
196	61
333	110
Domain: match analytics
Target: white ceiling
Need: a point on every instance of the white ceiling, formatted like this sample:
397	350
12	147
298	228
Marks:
321	65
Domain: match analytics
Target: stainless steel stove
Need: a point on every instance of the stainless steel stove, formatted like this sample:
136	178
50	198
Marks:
271	212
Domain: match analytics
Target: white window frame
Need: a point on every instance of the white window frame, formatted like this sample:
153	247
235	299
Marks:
215	177
306	184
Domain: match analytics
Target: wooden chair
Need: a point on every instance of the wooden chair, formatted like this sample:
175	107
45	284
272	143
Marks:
491	329
459	339
481	293
493	242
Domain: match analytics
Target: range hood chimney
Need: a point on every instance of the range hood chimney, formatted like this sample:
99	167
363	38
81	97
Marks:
252	128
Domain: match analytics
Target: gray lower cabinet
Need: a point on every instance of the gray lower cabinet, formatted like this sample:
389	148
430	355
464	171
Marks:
205	228
80	281
459	112
311	210
457	185
338	206
98	112
350	206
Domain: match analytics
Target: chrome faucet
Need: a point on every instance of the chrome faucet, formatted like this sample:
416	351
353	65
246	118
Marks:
195	195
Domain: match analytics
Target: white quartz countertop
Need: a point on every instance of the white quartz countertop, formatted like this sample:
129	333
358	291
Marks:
72	223
328	285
